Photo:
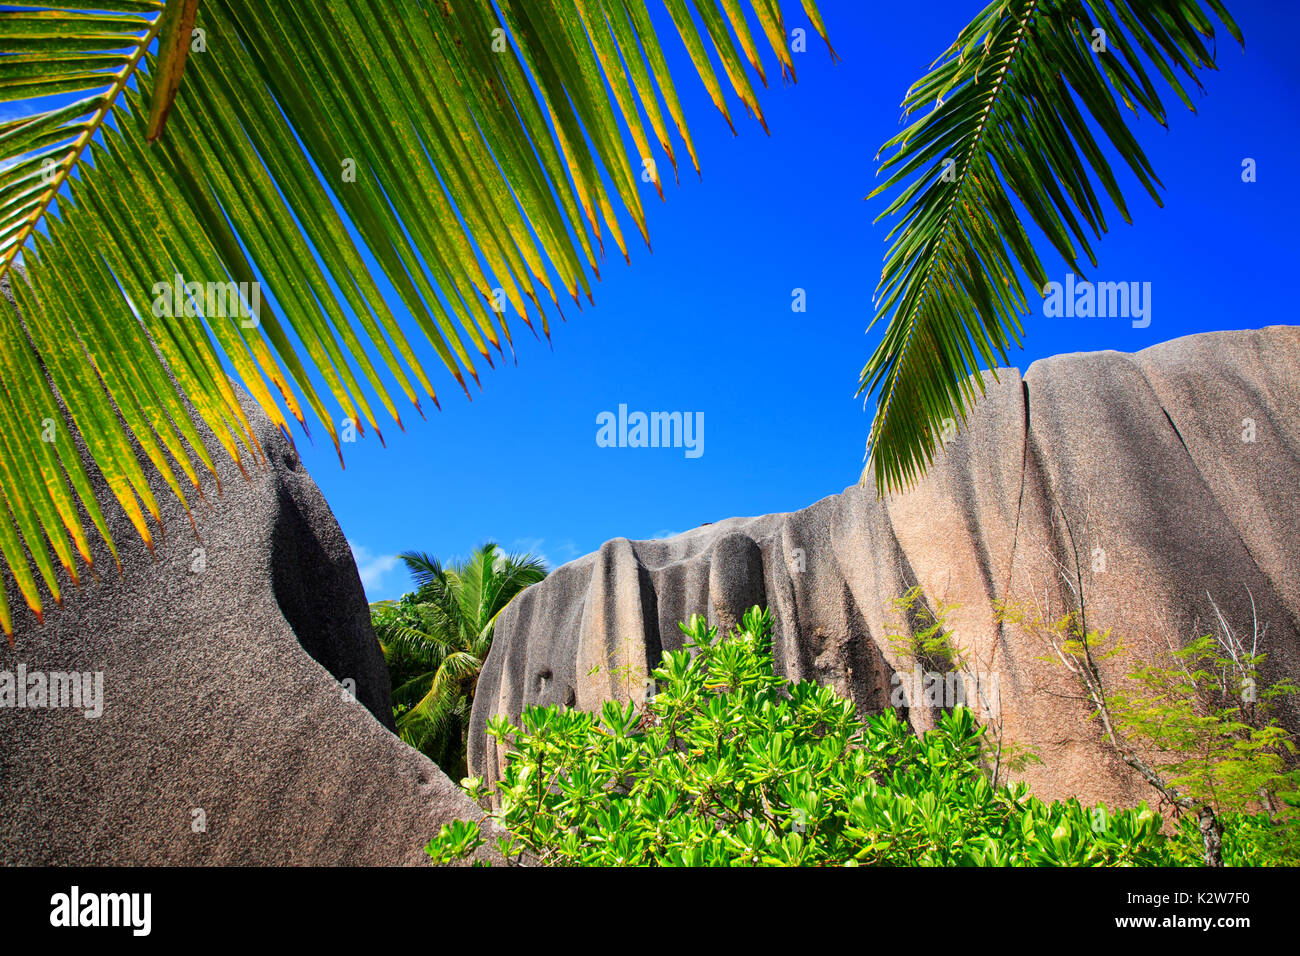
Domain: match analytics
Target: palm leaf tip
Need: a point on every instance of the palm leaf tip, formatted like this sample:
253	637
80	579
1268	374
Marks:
175	31
1011	114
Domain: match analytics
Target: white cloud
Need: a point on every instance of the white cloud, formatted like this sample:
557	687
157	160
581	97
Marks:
372	567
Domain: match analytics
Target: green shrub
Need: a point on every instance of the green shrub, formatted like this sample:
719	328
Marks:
730	765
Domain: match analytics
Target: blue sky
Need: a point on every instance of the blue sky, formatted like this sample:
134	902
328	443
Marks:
704	324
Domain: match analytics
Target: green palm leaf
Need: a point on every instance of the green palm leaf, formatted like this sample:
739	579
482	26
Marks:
71	48
1008	122
466	155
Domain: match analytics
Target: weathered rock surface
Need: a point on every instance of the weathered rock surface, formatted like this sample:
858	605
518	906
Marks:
223	701
1129	472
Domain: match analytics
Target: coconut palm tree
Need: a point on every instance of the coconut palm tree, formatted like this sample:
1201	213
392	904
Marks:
436	638
197	200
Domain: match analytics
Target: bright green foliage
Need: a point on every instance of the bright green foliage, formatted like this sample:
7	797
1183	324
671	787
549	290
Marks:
1197	719
1217	738
436	638
730	765
921	635
1257	840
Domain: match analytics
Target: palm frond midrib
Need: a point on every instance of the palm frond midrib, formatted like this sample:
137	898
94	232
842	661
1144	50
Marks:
999	83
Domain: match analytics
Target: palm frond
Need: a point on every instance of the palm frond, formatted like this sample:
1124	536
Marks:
516	573
473	582
435	598
415	643
467	155
63	49
1014	106
411	691
443	690
424	568
427	731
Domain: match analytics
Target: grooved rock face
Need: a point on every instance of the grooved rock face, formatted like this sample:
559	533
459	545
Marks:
229	733
1153	482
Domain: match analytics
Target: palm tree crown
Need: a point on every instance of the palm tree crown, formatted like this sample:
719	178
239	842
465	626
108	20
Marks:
436	638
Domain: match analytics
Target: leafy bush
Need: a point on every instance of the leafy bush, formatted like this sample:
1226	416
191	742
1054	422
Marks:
730	765
1256	839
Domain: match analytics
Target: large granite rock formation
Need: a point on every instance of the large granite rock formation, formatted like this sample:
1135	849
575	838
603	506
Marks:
229	733
1155	481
